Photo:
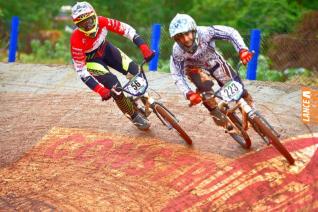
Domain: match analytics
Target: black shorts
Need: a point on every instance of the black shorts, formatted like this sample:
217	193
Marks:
108	55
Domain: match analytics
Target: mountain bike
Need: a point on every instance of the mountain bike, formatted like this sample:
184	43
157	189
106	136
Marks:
239	113
137	87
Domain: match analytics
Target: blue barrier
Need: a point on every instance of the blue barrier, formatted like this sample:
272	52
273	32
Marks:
13	39
155	43
254	46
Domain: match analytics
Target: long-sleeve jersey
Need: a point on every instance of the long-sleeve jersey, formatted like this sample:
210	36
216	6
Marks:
205	56
82	45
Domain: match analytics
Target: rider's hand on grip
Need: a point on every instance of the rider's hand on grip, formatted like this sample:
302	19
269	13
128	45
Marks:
146	52
245	56
194	98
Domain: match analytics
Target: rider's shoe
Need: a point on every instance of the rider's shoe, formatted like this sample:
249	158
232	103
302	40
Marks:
140	121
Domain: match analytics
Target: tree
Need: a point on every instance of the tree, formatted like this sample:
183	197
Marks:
275	16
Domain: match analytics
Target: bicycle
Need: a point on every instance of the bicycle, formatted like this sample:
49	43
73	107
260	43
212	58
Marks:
231	104
144	103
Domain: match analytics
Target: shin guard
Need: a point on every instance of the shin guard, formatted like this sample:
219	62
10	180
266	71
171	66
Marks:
124	104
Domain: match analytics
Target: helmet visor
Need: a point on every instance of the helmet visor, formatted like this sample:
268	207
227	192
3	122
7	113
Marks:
87	24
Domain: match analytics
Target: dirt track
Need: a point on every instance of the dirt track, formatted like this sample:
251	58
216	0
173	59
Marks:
79	146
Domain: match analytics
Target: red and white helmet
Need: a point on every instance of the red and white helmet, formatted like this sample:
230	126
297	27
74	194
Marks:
85	18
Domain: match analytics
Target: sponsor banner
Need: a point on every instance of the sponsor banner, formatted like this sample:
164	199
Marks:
309	103
72	169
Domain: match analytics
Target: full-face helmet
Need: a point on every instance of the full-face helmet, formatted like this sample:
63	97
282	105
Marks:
85	18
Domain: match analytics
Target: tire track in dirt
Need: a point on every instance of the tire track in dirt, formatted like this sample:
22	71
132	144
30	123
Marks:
151	170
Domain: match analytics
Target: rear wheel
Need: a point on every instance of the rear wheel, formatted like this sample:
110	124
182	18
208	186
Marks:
166	117
263	128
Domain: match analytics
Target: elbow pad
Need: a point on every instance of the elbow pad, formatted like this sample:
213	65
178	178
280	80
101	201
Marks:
138	40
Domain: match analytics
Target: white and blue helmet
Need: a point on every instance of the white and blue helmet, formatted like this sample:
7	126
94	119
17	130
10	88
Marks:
183	23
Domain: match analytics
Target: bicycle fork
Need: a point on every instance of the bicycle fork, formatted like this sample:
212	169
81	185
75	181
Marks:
249	113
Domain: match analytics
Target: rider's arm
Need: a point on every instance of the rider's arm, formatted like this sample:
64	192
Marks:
123	29
176	69
228	33
129	32
79	61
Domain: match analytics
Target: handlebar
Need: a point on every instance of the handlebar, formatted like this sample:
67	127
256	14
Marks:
142	64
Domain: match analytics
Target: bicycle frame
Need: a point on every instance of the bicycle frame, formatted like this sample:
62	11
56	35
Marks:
146	99
137	87
247	110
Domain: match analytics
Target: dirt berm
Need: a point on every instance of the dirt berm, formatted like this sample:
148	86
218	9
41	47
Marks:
62	148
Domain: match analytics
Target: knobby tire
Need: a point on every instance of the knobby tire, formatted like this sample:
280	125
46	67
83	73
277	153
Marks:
266	131
170	119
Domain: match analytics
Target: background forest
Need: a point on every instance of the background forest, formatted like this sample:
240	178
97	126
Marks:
289	30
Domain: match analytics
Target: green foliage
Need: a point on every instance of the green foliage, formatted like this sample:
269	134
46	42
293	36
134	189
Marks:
144	12
271	16
265	73
310	4
210	12
164	66
275	16
46	52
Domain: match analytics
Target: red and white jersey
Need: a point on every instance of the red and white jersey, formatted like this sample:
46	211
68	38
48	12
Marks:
82	44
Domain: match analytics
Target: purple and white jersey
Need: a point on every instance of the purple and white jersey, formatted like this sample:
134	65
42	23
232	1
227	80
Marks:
205	56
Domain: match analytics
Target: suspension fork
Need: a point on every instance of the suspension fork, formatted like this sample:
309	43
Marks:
247	111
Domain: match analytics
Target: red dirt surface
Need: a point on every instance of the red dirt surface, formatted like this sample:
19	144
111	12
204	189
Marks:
62	148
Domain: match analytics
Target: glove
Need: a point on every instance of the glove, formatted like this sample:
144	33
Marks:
103	92
245	56
193	97
146	52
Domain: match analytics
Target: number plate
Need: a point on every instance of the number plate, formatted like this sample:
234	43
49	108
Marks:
137	85
232	91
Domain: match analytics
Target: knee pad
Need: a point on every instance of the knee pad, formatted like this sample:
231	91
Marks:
201	80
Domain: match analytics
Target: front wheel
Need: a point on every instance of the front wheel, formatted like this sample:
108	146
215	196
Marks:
264	130
166	117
